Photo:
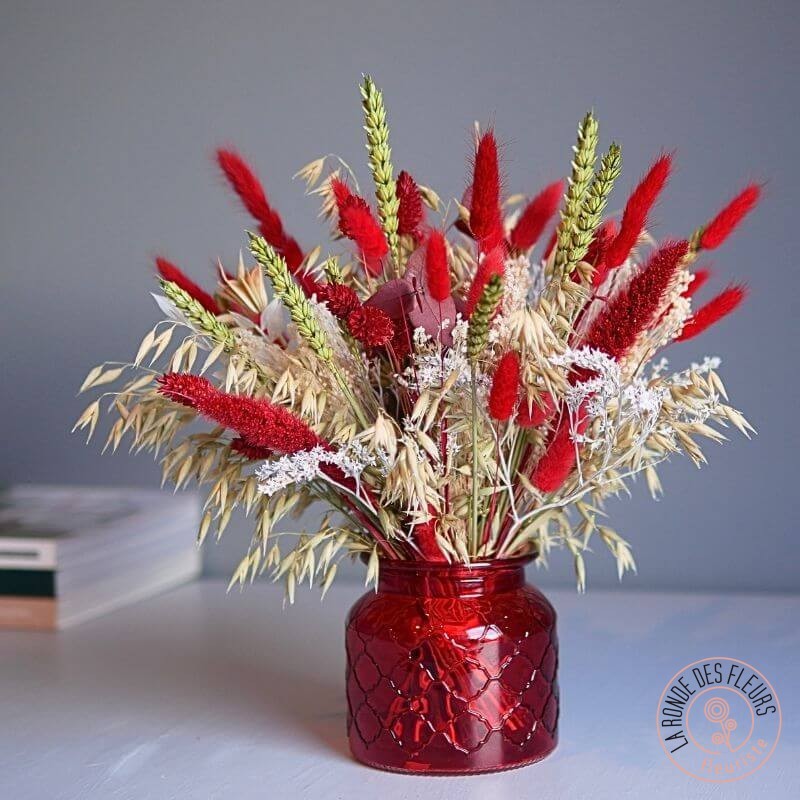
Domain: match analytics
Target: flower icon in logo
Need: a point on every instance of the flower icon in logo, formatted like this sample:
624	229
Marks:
717	710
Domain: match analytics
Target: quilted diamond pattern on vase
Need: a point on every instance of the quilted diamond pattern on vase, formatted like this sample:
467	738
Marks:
451	670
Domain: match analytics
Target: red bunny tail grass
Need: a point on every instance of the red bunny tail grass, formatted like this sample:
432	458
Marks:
437	270
258	421
532	417
505	387
485	215
600	242
248	450
169	272
713	311
410	212
492	264
341	192
639	205
341	299
560	458
596	254
371	326
635	308
535	217
250	191
358	224
726	222
701	277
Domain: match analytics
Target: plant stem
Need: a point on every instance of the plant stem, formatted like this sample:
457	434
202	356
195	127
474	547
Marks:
474	530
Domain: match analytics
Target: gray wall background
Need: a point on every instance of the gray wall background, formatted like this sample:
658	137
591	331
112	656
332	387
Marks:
110	112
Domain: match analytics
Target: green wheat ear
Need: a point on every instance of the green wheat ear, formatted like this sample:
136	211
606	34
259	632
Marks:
206	322
302	314
594	204
479	322
582	173
291	295
380	162
332	271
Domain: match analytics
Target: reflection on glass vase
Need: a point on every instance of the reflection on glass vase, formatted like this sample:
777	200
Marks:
452	669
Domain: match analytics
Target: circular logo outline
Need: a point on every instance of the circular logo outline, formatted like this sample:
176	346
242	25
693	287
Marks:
672	681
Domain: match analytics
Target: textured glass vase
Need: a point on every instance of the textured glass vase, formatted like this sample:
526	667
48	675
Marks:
452	670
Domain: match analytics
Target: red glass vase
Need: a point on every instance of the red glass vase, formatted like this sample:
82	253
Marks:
452	669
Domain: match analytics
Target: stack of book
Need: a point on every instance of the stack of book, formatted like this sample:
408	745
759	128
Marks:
68	554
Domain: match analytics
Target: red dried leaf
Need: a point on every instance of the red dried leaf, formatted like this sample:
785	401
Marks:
425	538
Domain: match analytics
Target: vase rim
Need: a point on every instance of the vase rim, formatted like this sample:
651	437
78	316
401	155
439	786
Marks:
488	564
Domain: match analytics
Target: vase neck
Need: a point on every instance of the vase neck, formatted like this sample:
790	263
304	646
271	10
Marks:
447	580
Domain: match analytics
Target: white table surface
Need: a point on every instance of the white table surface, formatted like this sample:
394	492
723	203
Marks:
199	694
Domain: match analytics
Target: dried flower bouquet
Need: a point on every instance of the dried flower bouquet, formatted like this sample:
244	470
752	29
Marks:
450	398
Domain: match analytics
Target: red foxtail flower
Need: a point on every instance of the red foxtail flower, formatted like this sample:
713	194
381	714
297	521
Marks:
701	277
437	270
634	308
724	224
492	264
248	450
358	224
639	205
372	326
259	422
505	387
485	214
535	217
713	311
341	299
245	183
560	457
169	272
410	212
535	415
